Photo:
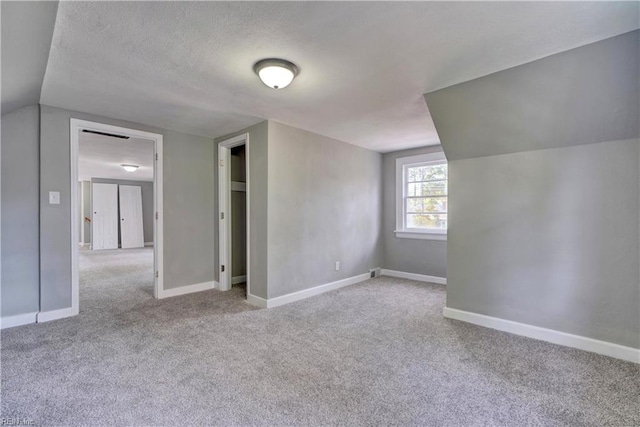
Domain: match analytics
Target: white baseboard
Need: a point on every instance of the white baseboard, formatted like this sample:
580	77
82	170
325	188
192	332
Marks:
47	316
148	243
182	290
18	320
629	354
238	279
414	276
257	301
306	293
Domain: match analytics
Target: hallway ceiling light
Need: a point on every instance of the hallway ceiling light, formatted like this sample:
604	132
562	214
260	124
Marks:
130	168
276	73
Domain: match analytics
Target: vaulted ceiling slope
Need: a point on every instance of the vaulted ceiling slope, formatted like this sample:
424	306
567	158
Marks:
27	28
364	66
585	95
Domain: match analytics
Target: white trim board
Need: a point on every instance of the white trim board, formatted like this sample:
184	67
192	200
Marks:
189	289
306	293
556	337
414	276
238	279
238	186
148	243
47	316
18	320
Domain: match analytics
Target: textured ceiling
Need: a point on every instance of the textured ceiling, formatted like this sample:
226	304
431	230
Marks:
364	66
102	156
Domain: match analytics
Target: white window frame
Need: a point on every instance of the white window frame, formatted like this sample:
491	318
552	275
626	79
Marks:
401	230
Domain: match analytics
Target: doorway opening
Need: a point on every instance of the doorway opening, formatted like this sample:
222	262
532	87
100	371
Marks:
235	213
116	194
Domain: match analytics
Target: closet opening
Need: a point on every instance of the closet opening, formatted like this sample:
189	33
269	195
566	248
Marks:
234	215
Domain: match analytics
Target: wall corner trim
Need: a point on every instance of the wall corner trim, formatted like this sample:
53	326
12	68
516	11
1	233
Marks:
18	320
317	290
47	316
189	289
257	301
414	276
605	348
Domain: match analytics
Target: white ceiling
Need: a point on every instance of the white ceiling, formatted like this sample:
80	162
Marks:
364	67
102	156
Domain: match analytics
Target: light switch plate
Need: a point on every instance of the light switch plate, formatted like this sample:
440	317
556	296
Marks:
54	197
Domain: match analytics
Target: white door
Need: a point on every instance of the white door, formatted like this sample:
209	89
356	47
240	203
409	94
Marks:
105	216
131	226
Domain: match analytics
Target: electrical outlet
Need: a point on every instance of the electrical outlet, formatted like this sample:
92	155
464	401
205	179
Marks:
337	265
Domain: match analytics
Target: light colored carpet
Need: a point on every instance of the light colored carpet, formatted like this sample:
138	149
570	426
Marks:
376	353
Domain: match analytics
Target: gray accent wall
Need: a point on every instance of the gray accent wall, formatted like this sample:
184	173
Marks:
86	211
582	96
544	217
324	206
147	203
20	279
190	228
26	33
549	238
416	256
258	201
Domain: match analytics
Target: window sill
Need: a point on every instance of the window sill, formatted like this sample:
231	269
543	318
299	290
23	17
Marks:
423	235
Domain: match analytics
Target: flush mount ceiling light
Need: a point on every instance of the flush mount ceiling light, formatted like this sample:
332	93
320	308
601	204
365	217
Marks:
276	73
130	168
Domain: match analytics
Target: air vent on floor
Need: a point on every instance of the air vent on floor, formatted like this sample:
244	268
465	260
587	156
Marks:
95	132
375	272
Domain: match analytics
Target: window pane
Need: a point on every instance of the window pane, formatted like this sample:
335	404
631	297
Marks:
438	221
427	173
425	205
434	188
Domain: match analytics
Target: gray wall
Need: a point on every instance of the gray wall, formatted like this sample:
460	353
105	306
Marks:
409	255
549	238
86	211
20	195
324	206
544	216
27	29
585	95
190	228
80	212
238	214
258	177
147	203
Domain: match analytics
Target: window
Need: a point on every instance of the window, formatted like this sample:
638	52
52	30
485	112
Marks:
421	197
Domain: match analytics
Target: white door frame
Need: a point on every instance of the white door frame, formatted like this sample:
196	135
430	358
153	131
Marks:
75	127
224	205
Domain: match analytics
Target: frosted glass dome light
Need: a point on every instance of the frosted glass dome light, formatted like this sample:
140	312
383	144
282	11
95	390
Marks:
276	73
130	168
